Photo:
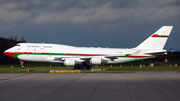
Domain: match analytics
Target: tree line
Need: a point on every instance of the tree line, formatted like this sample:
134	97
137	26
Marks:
6	43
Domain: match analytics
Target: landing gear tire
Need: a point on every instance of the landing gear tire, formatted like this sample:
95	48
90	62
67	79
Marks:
85	66
89	67
75	67
80	67
22	66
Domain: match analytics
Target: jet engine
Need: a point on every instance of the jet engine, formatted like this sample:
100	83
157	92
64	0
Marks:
97	61
69	62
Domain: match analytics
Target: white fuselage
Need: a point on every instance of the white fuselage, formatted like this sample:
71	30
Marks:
41	52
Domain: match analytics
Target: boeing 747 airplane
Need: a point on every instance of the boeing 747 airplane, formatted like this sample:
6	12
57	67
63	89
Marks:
85	57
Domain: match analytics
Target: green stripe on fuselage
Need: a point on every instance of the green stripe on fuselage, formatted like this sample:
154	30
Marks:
17	54
161	36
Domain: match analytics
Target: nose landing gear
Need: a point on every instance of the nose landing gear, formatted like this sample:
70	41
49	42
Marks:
22	66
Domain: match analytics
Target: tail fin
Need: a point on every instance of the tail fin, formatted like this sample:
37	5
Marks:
156	40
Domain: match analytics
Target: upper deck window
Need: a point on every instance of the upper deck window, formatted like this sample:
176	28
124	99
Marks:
33	46
47	46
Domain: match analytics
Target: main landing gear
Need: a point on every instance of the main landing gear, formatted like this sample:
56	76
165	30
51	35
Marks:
82	66
22	66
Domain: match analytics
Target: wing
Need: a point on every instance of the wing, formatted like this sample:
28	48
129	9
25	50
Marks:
88	58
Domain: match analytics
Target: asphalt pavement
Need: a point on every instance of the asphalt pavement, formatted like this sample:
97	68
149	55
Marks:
138	86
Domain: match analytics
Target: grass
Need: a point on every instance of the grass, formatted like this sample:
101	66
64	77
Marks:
46	67
110	69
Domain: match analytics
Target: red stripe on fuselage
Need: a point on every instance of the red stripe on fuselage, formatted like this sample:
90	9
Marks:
155	35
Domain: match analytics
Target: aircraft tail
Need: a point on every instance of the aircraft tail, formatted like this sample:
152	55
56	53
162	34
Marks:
156	40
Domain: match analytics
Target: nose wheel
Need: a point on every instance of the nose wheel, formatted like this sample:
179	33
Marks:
22	66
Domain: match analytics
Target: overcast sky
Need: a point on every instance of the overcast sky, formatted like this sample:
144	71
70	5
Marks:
98	23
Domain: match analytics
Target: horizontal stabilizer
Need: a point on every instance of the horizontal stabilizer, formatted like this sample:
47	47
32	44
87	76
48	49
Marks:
157	52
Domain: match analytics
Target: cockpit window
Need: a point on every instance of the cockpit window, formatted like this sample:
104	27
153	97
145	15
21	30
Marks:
17	45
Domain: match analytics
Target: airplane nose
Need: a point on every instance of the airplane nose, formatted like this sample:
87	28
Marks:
10	54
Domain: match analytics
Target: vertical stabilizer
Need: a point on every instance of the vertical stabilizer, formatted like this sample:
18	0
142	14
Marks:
156	40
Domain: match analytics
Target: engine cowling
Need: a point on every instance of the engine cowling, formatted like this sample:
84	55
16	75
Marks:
69	62
96	61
